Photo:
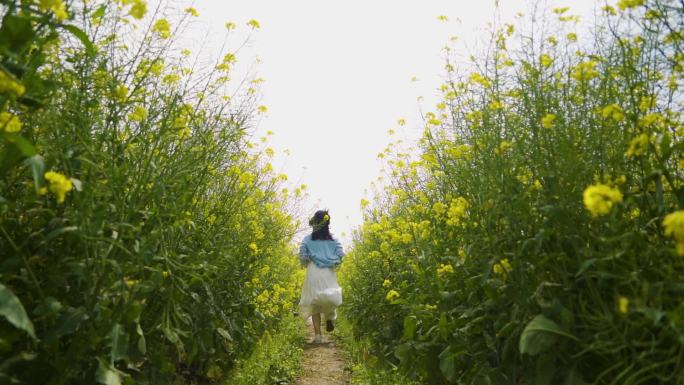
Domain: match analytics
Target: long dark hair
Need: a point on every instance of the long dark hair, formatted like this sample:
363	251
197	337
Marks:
320	222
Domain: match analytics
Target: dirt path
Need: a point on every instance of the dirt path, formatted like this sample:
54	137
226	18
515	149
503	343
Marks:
323	363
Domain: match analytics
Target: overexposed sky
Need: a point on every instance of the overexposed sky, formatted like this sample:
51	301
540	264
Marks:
338	76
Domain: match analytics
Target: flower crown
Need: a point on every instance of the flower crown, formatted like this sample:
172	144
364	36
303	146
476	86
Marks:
317	226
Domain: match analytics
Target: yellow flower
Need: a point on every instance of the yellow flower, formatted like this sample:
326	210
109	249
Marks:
599	198
401	122
476	78
444	269
59	184
254	24
326	218
253	247
503	147
230	25
171	79
545	60
138	115
9	123
439	208
192	11
502	268
613	111
442	18
638	146
121	92
585	71
262	109
138	9
457	211
548	121
386	283
163	28
166	274
392	295
627	4
10	86
57	7
674	227
623	305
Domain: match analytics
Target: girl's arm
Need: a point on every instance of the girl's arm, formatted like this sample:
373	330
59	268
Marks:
339	252
304	256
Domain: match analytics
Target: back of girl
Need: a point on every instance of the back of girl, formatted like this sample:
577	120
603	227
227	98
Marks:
320	253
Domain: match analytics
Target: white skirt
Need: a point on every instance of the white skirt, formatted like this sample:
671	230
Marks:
320	293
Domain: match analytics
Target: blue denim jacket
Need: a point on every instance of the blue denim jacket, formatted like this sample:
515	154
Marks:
322	253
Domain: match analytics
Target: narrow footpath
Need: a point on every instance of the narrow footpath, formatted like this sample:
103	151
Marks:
323	363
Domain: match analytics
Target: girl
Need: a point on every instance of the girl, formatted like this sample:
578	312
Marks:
320	253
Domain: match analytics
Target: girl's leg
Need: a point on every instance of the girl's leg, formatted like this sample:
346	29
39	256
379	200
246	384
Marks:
316	318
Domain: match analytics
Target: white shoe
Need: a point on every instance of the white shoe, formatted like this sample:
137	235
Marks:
317	339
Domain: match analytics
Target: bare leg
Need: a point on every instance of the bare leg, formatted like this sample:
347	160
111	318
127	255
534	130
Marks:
316	318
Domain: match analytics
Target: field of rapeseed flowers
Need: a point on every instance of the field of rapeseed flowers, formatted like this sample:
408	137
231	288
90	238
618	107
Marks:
143	238
538	235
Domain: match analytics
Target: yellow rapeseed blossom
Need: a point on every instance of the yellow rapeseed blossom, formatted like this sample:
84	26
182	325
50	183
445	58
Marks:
571	36
613	111
230	25
392	295
57	7
254	24
444	269
253	247
548	121
10	86
623	305
638	146
545	60
674	227
600	198
627	4
477	78
138	114
121	92
442	18
503	147
162	28
386	283
262	109
138	9
502	268
457	211
9	122
192	11
585	71
58	184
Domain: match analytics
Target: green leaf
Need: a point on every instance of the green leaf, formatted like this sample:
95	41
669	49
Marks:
37	165
539	335
20	143
119	343
12	309
106	374
410	325
142	345
83	37
67	324
16	34
447	363
224	333
99	12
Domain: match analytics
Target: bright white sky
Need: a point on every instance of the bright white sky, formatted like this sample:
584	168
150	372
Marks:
338	76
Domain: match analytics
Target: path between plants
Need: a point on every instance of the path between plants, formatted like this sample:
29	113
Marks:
323	363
